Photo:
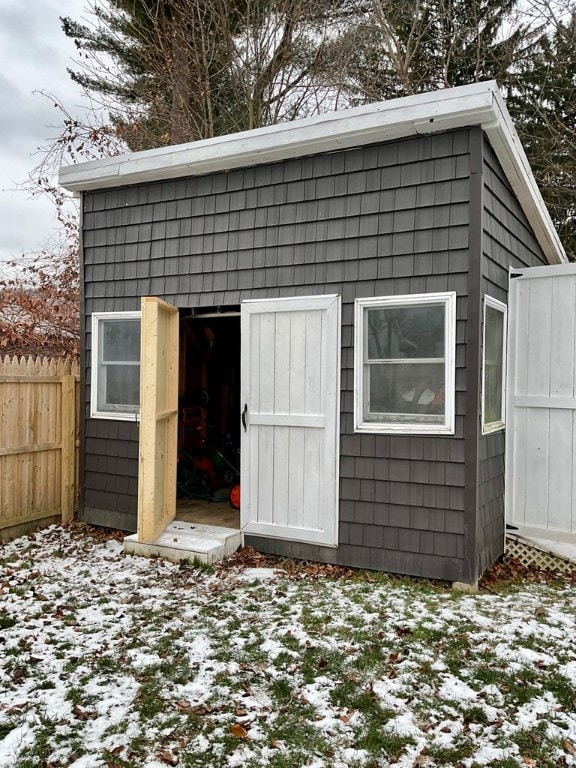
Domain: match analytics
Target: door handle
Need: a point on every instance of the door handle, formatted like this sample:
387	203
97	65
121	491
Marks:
244	412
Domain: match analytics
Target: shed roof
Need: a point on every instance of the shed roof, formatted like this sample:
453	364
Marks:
478	104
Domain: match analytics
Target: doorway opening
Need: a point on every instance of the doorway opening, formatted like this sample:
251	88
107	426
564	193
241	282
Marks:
208	469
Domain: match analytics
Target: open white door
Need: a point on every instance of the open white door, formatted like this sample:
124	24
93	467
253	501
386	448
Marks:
158	418
290	423
541	403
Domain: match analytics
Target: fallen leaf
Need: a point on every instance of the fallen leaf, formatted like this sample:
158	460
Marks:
18	675
200	710
168	757
81	713
183	704
239	731
17	709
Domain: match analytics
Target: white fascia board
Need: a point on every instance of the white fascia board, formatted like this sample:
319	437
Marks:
452	108
509	150
384	121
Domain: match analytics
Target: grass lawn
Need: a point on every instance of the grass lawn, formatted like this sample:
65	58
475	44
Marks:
108	660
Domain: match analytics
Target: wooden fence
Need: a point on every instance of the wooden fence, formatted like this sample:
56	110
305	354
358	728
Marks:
39	417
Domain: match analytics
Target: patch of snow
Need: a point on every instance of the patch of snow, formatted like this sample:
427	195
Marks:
200	649
456	690
274	648
403	725
92	625
530	714
569	671
350	756
385	690
240	757
257	574
14	742
488	755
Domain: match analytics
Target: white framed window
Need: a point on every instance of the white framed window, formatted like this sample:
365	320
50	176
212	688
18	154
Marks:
493	365
115	391
404	362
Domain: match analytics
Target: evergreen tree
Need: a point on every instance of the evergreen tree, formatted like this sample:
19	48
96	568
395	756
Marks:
542	99
171	71
401	47
191	69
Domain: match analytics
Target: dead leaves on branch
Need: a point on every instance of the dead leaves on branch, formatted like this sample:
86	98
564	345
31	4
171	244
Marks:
40	305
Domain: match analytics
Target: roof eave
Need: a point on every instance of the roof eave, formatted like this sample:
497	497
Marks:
477	104
506	144
385	121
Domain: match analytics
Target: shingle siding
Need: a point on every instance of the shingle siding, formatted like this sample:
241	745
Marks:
374	221
507	241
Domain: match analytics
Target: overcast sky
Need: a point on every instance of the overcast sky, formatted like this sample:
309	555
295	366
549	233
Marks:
34	54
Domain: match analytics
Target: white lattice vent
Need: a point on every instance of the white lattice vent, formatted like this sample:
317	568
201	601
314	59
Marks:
530	555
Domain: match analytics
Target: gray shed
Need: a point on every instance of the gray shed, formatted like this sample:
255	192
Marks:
321	305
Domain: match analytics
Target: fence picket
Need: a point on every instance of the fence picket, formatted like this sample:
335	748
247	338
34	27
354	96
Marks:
39	418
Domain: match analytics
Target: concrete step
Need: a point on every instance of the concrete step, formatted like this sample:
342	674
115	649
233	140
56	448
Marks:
188	541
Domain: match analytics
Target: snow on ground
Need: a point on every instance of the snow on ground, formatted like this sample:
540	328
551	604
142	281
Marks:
108	661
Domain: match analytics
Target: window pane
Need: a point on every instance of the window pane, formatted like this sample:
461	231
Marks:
405	332
493	365
407	389
120	340
120	387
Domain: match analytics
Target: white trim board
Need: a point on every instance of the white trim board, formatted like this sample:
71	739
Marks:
95	319
412	426
491	427
477	104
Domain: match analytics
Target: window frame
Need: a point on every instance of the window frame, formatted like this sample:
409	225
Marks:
494	426
96	319
448	299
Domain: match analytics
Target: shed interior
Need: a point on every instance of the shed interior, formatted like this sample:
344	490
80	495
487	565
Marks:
208	473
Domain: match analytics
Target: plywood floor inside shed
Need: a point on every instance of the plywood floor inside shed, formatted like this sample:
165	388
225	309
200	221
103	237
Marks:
207	513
